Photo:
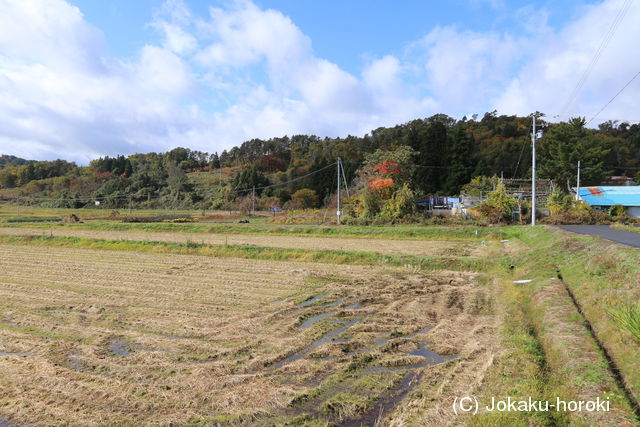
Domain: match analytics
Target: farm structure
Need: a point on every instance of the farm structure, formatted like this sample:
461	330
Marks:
602	198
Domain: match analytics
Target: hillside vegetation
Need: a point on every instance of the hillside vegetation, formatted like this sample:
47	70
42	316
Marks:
386	169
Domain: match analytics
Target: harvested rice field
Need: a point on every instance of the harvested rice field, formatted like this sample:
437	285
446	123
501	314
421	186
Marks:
104	337
383	246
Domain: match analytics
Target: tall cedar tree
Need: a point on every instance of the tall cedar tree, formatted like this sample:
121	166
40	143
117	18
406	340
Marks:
460	161
431	144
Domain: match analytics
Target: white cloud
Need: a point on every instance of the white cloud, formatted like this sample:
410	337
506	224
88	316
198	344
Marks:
176	39
545	82
244	72
465	69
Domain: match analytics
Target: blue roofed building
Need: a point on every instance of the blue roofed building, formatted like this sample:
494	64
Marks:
603	197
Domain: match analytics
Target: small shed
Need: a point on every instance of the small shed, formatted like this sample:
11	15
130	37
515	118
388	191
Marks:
602	198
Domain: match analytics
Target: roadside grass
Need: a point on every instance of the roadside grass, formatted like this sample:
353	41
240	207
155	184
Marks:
631	228
415	262
602	278
628	317
550	351
521	371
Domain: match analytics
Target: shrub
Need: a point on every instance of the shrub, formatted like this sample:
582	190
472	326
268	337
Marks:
499	205
305	198
400	205
577	212
617	211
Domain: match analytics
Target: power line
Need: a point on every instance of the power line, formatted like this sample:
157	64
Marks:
515	172
596	57
285	183
618	120
614	97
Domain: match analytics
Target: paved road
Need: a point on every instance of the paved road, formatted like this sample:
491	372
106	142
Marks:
604	231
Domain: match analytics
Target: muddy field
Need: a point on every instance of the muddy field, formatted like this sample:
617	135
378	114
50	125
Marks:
102	337
385	246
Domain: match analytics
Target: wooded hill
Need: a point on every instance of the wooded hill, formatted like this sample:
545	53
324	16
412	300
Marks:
441	154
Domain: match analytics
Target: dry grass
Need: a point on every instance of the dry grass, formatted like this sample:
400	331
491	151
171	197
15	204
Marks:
564	335
384	246
203	336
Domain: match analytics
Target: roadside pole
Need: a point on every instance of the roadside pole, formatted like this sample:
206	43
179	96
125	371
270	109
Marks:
338	213
533	171
578	183
253	201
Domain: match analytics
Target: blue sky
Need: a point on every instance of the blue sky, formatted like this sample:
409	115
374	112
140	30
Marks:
84	78
344	32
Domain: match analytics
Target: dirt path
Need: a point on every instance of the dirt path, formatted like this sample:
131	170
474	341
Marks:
384	246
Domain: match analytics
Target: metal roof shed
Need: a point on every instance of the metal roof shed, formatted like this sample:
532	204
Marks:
606	196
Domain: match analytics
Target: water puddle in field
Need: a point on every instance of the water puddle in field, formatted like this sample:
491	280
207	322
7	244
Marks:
310	301
12	325
331	305
386	403
313	320
119	347
5	422
181	337
431	358
383	340
354	306
329	337
15	353
74	363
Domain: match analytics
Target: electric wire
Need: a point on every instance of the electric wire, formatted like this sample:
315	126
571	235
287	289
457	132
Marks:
596	57
614	97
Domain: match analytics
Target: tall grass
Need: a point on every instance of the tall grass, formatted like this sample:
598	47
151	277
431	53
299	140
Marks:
628	318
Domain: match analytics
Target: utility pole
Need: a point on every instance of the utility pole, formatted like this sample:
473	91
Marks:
338	213
533	170
578	186
253	201
344	180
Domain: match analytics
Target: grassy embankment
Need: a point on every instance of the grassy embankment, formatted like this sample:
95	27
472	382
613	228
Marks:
557	349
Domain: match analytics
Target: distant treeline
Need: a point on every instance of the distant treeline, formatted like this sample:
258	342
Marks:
447	154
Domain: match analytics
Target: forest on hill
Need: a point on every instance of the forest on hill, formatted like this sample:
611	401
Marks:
436	155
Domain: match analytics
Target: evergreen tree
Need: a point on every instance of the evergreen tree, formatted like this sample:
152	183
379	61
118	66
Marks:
214	161
460	161
431	145
565	144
